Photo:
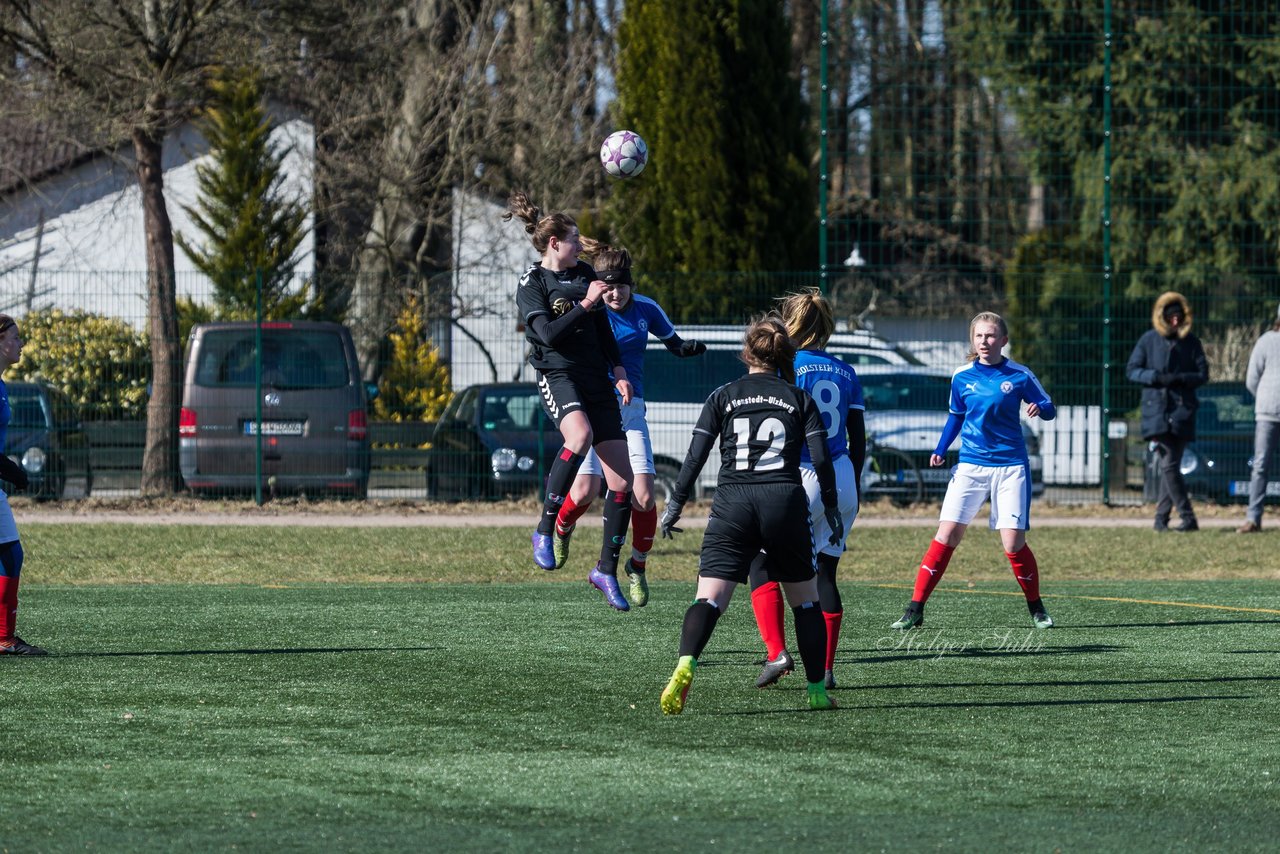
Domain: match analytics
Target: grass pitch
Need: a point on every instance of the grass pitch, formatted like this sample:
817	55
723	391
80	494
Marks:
289	714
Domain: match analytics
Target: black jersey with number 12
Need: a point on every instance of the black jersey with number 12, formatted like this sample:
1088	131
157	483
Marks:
762	422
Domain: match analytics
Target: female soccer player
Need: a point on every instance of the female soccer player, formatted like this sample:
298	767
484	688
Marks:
762	421
986	396
573	350
10	547
834	386
633	318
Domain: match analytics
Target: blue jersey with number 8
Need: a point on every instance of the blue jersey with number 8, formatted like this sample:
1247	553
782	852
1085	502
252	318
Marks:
835	387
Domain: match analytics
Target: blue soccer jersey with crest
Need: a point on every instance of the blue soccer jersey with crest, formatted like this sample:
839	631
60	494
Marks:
989	398
632	327
835	387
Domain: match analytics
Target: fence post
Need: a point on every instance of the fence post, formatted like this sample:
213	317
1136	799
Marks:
257	379
1108	37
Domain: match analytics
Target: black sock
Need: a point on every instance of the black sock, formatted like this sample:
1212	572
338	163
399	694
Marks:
617	521
699	623
811	640
559	479
828	593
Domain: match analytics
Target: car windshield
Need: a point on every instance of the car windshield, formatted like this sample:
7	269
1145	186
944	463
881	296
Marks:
918	392
291	359
513	409
1224	411
25	409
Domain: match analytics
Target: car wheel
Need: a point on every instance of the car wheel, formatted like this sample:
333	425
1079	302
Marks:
664	483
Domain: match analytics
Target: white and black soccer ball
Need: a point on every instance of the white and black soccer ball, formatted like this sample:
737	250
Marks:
623	154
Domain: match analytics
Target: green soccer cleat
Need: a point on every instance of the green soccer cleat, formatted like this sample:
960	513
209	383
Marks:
560	544
912	618
639	586
1039	615
678	688
819	699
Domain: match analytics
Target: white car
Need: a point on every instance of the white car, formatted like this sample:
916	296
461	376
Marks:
675	389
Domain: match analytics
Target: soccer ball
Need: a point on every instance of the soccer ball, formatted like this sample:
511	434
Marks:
624	154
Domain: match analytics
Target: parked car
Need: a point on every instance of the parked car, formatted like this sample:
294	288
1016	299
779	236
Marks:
493	440
907	409
675	389
47	438
299	401
1217	465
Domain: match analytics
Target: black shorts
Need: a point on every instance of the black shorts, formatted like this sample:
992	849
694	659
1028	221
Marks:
773	517
563	393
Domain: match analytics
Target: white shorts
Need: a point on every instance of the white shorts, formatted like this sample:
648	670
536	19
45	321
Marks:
847	487
638	445
1008	487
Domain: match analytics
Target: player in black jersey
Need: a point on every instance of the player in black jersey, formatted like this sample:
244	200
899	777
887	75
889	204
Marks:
762	421
572	347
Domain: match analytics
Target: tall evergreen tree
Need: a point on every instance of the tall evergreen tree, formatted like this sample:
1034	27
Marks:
728	190
251	230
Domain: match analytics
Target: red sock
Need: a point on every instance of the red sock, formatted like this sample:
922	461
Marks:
8	607
570	513
766	601
1026	571
643	525
833	635
931	569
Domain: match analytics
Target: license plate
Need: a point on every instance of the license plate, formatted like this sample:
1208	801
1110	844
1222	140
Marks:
274	428
1240	488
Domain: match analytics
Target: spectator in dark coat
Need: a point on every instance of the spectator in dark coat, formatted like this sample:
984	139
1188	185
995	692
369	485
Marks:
1169	362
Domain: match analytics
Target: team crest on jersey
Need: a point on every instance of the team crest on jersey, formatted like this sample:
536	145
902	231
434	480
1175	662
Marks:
644	325
562	306
1006	386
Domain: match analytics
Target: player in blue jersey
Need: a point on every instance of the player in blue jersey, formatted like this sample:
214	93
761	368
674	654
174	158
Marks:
633	318
835	387
987	394
561	301
761	421
10	547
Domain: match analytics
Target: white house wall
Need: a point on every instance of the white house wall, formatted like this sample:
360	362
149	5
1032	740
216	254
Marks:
93	247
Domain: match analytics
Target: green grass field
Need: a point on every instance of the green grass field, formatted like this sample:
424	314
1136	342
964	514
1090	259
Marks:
315	699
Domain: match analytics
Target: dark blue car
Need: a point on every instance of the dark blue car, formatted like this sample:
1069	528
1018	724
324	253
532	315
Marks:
493	441
1217	465
47	438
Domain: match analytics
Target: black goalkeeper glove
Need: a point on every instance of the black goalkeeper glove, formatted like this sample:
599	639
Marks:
692	348
670	516
13	472
836	522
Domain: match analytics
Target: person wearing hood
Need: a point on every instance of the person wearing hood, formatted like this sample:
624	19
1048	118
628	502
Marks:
1169	362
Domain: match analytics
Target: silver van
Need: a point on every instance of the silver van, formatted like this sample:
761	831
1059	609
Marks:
282	408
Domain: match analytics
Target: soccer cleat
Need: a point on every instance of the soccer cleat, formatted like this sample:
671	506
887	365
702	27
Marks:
639	586
776	669
560	545
608	585
1039	615
17	646
830	680
912	618
543	552
819	699
678	687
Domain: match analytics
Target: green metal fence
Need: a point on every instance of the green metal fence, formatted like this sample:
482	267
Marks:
1062	163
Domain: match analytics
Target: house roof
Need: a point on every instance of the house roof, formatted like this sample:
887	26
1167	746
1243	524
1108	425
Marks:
31	149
